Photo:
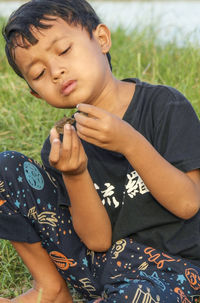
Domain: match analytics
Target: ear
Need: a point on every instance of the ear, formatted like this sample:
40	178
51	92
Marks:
35	94
103	36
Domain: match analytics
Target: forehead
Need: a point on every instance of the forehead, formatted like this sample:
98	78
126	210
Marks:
58	29
56	26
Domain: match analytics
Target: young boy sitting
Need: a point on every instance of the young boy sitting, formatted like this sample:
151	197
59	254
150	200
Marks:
114	211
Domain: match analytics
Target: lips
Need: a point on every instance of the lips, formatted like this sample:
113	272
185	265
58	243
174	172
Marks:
68	87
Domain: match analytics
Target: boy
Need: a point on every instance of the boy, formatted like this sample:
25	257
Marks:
128	175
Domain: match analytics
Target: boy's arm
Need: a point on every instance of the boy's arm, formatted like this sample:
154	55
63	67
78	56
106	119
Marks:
177	191
47	280
89	216
90	219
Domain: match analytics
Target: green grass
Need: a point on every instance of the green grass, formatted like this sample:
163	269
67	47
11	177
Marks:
25	121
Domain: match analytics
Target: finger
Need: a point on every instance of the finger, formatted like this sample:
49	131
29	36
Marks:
91	141
76	143
89	122
53	134
91	136
55	151
91	110
87	132
67	140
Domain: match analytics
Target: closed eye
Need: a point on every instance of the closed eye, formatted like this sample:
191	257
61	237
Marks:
39	76
65	51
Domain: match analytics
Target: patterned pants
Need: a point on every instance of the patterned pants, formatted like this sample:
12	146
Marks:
127	272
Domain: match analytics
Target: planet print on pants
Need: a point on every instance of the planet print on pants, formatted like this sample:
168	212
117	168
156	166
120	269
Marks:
33	176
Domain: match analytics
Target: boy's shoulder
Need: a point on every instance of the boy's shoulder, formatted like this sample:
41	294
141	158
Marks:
158	90
159	97
154	103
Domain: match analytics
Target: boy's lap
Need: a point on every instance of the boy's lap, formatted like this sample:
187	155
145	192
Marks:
135	291
144	291
127	269
133	268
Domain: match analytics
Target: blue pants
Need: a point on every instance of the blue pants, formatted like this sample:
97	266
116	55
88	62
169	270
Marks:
127	272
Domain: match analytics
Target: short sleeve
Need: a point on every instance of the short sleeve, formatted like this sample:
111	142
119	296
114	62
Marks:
177	131
15	227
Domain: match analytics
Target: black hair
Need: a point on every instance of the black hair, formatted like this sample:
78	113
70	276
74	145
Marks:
31	14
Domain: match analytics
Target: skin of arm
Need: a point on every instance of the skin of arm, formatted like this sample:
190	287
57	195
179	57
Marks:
89	217
178	192
47	280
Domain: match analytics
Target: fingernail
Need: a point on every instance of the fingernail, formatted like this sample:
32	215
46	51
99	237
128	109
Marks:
67	126
77	106
56	140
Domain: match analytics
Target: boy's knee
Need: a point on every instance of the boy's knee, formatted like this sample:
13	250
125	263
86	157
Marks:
10	161
8	157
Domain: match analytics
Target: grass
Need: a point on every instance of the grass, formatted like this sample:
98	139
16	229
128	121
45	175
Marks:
25	121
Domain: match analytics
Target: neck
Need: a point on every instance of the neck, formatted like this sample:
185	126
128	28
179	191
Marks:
116	96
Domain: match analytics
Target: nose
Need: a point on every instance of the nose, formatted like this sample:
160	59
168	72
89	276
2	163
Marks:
57	72
57	75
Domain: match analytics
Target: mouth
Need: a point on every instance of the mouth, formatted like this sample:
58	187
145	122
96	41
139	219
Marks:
68	87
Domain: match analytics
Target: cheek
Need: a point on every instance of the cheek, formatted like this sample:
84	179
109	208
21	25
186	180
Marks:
93	66
43	87
89	58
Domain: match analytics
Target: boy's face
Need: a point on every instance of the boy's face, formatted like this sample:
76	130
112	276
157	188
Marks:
66	67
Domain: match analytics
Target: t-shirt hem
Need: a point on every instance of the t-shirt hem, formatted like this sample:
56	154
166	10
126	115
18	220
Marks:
188	165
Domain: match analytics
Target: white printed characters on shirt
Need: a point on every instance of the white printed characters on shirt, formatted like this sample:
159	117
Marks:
108	195
134	186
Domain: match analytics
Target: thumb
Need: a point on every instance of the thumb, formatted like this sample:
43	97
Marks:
55	151
53	134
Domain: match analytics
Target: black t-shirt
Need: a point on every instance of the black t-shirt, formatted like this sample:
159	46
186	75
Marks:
167	120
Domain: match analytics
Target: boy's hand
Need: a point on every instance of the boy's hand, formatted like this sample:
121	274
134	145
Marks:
67	156
102	128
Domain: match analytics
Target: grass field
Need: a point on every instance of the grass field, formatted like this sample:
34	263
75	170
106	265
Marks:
25	121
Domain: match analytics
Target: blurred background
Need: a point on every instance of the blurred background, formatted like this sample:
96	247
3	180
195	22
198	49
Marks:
172	18
156	41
